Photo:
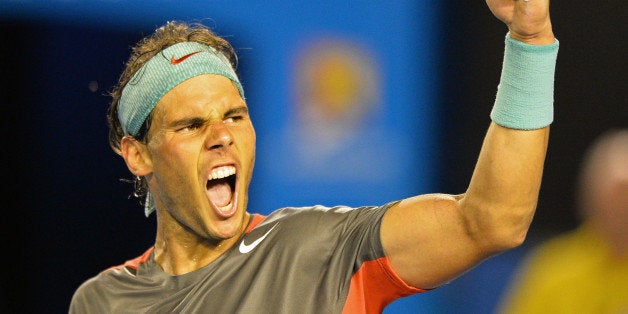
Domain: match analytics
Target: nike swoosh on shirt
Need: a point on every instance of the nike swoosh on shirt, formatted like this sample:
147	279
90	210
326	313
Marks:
179	60
244	248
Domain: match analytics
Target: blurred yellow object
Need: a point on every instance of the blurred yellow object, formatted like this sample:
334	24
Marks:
576	272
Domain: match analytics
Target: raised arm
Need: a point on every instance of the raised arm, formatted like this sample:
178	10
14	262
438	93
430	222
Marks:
432	239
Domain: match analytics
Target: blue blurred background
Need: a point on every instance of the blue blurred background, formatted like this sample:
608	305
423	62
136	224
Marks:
402	110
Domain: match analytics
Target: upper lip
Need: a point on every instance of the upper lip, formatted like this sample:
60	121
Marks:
222	170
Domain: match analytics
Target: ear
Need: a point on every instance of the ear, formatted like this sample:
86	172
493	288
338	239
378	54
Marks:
136	156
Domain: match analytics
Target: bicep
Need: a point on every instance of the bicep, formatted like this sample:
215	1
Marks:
427	240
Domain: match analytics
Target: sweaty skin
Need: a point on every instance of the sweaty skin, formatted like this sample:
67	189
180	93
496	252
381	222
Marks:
197	132
428	239
432	239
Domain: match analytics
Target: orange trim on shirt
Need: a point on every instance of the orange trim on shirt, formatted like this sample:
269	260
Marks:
256	219
374	286
135	263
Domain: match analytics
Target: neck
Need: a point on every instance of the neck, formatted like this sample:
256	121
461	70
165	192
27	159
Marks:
179	250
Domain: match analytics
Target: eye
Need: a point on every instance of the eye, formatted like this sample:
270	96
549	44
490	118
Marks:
234	119
235	115
191	127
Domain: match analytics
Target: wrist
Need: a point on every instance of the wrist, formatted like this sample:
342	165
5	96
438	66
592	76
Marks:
544	37
525	93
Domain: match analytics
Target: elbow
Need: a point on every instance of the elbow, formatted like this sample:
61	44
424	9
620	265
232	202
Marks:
498	228
498	239
491	242
511	239
508	234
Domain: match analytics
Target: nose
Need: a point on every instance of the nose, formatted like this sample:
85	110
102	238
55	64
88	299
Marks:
219	137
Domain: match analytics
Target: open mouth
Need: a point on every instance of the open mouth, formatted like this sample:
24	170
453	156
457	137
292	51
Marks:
221	189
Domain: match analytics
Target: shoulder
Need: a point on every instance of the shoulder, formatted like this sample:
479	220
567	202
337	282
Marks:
94	291
89	294
300	225
326	213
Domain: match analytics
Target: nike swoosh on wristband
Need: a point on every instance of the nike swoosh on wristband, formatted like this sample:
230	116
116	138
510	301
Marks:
179	60
244	248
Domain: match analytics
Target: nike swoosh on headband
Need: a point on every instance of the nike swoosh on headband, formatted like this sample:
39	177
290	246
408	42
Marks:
160	74
179	60
244	248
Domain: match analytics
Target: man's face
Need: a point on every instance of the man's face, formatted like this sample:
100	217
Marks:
202	149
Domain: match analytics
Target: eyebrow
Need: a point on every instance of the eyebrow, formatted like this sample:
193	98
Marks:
186	121
237	110
199	120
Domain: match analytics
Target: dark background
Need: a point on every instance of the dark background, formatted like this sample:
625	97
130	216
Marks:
56	163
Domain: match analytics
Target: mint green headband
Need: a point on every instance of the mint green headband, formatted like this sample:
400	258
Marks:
163	72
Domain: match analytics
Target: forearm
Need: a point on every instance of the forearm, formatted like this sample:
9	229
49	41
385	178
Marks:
502	196
431	239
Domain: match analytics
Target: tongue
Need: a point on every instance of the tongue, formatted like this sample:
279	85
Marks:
220	194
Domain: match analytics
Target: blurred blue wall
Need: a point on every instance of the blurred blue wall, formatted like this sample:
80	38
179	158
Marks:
433	70
333	145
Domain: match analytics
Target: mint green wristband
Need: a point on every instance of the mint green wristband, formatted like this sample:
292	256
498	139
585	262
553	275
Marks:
525	95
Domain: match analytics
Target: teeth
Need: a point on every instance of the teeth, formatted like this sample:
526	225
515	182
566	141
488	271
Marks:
222	172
